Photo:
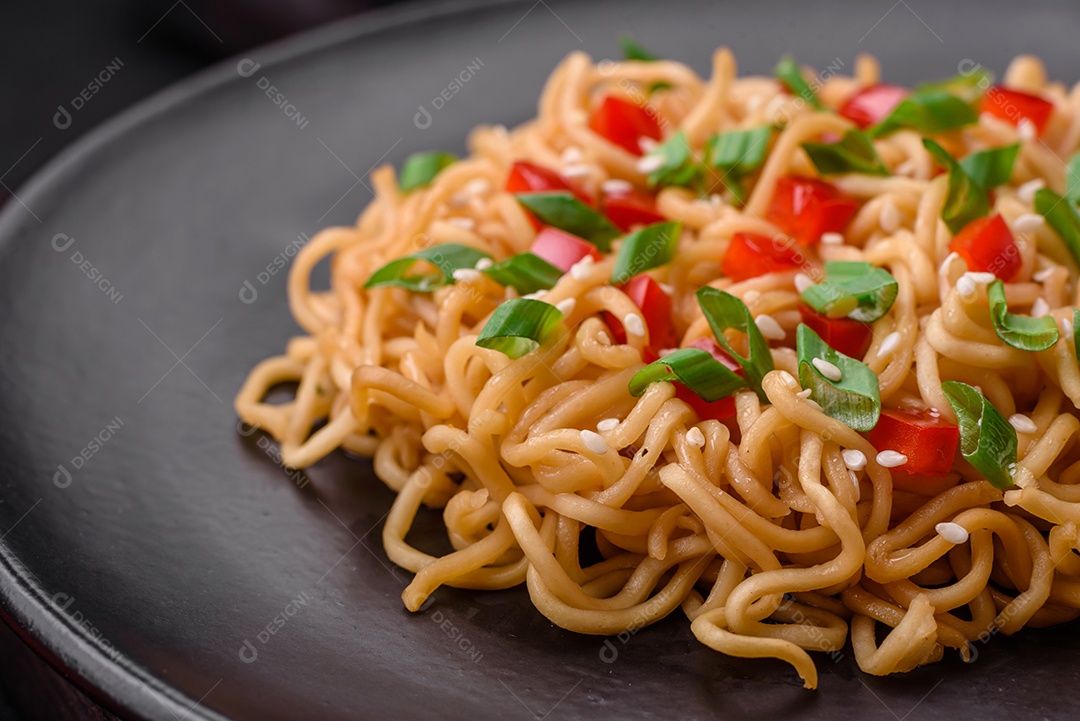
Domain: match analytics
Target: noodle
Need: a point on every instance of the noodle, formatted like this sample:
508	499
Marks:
758	526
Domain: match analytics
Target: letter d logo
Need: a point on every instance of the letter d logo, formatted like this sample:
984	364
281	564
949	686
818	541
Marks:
62	118
422	119
248	652
62	477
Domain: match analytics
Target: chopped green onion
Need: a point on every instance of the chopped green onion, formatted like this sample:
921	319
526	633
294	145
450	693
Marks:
736	154
695	368
724	311
966	200
421	168
1072	179
853	154
968	87
525	272
565	212
855	399
633	50
446	258
987	441
1019	331
853	289
928	111
991	168
650	247
790	74
680	168
519	326
1062	217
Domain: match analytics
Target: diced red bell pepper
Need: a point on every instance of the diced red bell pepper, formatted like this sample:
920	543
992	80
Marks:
624	123
710	410
871	105
1014	106
627	208
987	245
655	306
850	337
751	254
806	208
928	440
562	249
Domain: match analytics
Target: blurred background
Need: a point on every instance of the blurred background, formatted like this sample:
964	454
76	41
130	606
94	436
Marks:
46	47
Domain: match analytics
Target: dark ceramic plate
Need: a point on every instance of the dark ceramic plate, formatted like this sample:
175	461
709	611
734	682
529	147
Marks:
167	562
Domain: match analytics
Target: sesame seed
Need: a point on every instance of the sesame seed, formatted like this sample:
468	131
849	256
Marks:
1026	192
1028	223
477	186
566	305
608	424
1043	275
952	532
634	324
854	459
1022	423
891	459
889	218
466	223
827	369
891	343
965	286
594	442
1040	308
695	437
484	263
982	278
575	171
466	274
1026	130
647	144
571	155
832	238
650	164
802	282
616	185
805	393
769	327
583	268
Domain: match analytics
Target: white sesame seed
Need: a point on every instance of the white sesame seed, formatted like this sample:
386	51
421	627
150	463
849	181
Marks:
751	295
616	185
571	155
965	286
802	282
695	437
1041	276
650	164
805	393
891	459
647	144
466	274
952	532
1026	130
566	305
583	268
1028	223
1026	192
634	324
769	328
889	218
854	459
832	238
1022	423
608	424
982	278
484	263
477	186
594	442
891	343
827	369
575	171
1067	328
1040	308
466	223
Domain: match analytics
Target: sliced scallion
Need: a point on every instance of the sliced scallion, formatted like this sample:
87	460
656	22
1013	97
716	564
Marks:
680	168
790	74
446	258
725	311
525	272
966	200
987	440
565	212
853	289
854	153
991	168
928	111
650	247
695	368
1019	331
855	399
421	168
1062	217
519	326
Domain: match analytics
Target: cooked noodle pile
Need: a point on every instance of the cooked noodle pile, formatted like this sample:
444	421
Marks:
769	537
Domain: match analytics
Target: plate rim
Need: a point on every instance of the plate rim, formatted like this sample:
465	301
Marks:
114	680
